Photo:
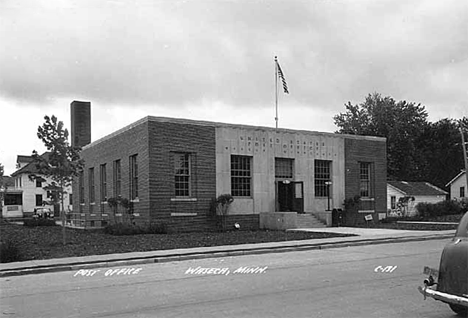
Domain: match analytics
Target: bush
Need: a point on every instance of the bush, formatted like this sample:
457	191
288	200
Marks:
131	229
122	229
9	252
39	222
447	207
156	228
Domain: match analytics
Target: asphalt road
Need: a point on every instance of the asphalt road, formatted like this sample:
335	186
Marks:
339	282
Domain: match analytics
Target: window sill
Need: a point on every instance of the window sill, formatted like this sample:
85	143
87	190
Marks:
367	199
184	199
366	211
135	200
183	214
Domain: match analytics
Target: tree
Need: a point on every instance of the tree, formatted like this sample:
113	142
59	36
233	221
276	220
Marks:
400	122
61	163
2	187
440	153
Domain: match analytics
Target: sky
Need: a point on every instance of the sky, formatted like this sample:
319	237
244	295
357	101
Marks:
214	60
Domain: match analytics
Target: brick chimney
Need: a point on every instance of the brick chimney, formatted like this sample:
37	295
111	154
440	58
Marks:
80	123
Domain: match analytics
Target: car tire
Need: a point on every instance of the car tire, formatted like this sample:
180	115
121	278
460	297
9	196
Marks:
460	310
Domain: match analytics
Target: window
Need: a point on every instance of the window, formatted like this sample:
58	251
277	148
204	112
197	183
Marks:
117	178
283	168
393	202
103	182
462	192
322	177
81	187
365	180
39	200
92	198
133	177
38	183
182	174
241	176
70	198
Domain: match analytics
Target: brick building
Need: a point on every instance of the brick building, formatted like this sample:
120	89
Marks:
171	169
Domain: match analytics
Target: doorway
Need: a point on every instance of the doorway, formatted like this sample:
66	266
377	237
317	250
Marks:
290	196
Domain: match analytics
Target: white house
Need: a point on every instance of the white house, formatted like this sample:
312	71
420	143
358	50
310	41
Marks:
403	196
26	194
458	186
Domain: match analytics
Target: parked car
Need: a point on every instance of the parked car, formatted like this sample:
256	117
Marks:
45	213
449	283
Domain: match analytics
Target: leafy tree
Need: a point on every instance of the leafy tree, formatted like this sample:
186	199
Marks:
400	122
61	163
440	153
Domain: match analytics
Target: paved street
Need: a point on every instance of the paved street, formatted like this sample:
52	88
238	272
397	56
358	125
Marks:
340	282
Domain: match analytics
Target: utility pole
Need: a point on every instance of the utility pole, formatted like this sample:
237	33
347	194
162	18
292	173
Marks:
464	151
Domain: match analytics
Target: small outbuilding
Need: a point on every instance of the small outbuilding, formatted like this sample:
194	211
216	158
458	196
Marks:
403	196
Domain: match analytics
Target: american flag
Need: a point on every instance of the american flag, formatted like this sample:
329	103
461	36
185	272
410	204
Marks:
281	76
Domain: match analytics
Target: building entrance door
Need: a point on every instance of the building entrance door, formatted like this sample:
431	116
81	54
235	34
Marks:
290	196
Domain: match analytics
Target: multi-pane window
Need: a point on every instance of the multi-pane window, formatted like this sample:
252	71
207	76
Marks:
462	192
133	177
39	200
182	174
393	202
117	178
92	197
365	179
241	176
103	182
81	188
283	168
322	177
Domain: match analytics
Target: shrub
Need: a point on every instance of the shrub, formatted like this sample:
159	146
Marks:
122	229
9	252
447	207
39	222
156	228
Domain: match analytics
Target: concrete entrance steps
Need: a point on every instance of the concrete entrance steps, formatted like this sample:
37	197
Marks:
308	221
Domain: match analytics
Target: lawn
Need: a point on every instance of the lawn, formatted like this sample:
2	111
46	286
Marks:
45	242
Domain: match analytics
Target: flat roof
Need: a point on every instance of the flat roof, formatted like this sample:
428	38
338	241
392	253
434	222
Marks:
225	125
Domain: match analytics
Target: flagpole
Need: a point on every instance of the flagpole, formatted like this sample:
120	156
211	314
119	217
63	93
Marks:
276	91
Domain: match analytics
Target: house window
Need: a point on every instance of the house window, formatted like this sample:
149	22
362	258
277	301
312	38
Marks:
70	199
92	198
38	183
393	202
133	177
462	192
241	176
182	174
365	179
322	175
39	200
283	168
117	178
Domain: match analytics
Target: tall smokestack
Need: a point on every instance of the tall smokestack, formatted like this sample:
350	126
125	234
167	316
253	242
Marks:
80	123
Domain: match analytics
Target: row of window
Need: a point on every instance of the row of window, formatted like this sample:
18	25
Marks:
117	179
241	177
19	182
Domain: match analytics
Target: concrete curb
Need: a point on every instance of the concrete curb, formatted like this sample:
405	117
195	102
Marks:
231	252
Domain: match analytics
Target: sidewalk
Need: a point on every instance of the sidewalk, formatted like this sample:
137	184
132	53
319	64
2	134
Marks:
363	236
